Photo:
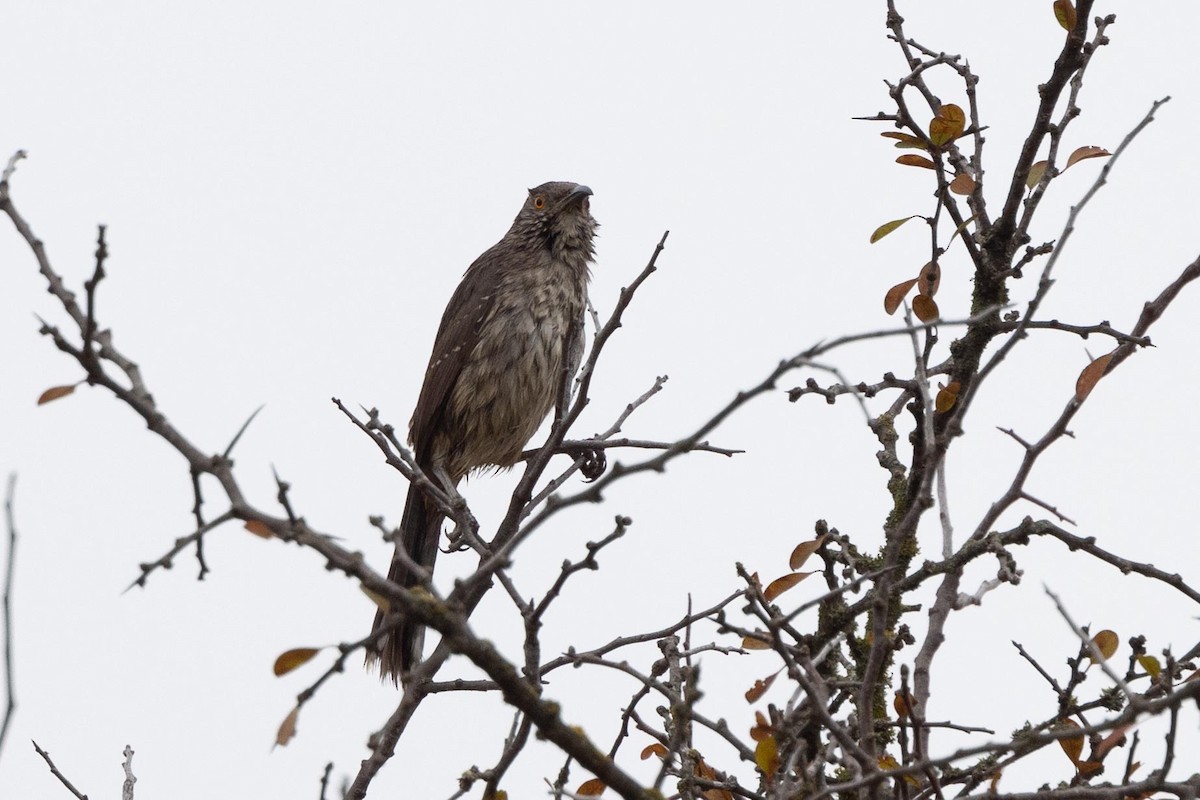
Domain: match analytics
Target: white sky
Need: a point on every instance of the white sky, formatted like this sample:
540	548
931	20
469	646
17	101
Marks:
293	190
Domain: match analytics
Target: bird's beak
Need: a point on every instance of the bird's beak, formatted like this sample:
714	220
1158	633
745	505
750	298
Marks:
580	191
577	197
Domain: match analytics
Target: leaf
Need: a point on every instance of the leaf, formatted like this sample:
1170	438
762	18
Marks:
761	640
947	125
1035	174
1064	12
297	657
260	528
1106	642
782	584
1081	153
930	279
804	550
1088	767
766	755
287	730
1072	745
887	227
995	781
947	396
895	295
925	308
901	704
1151	665
904	140
55	393
962	184
886	762
1090	376
761	729
1115	737
655	749
381	602
755	693
593	788
914	160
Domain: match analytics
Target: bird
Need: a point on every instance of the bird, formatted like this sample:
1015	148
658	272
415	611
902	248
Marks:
509	344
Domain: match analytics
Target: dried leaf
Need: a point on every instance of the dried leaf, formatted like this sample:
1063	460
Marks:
55	393
962	184
995	782
901	703
1072	745
294	658
914	160
782	584
1064	12
947	125
904	140
755	693
895	295
593	788
887	227
288	729
1088	767
766	755
655	749
925	308
260	528
1106	642
1090	151
1151	665
381	602
761	729
1035	174
930	279
761	640
1090	376
947	396
804	550
1115	738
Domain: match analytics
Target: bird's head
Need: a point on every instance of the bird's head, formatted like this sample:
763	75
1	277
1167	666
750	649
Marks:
558	215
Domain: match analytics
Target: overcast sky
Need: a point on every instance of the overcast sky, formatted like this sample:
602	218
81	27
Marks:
292	191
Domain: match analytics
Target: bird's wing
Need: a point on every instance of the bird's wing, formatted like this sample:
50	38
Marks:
457	336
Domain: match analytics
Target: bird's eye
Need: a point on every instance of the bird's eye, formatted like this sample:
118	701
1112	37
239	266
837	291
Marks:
539	202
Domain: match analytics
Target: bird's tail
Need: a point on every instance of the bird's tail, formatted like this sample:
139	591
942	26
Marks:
420	532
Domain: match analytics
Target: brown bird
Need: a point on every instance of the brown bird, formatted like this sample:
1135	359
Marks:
508	347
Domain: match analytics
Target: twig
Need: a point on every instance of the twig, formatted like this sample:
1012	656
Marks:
54	771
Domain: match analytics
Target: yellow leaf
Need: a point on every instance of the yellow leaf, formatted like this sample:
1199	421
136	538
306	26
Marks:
925	308
887	227
294	658
914	160
55	393
259	528
1072	745
962	184
756	692
1151	665
1090	376
655	749
1091	151
1035	174
895	295
930	279
947	125
766	755
782	584
288	729
593	788
761	640
1064	12
1106	642
804	550
904	140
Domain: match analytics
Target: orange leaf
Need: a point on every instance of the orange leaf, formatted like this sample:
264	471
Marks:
895	295
1091	151
1088	767
947	396
288	729
930	279
761	640
914	160
804	550
782	584
55	393
755	693
901	704
1106	642
887	227
1114	738
995	782
294	658
655	749
1035	174
1090	376
260	528
1064	12
761	729
1072	745
593	788
766	755
962	184
904	139
947	125
925	308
